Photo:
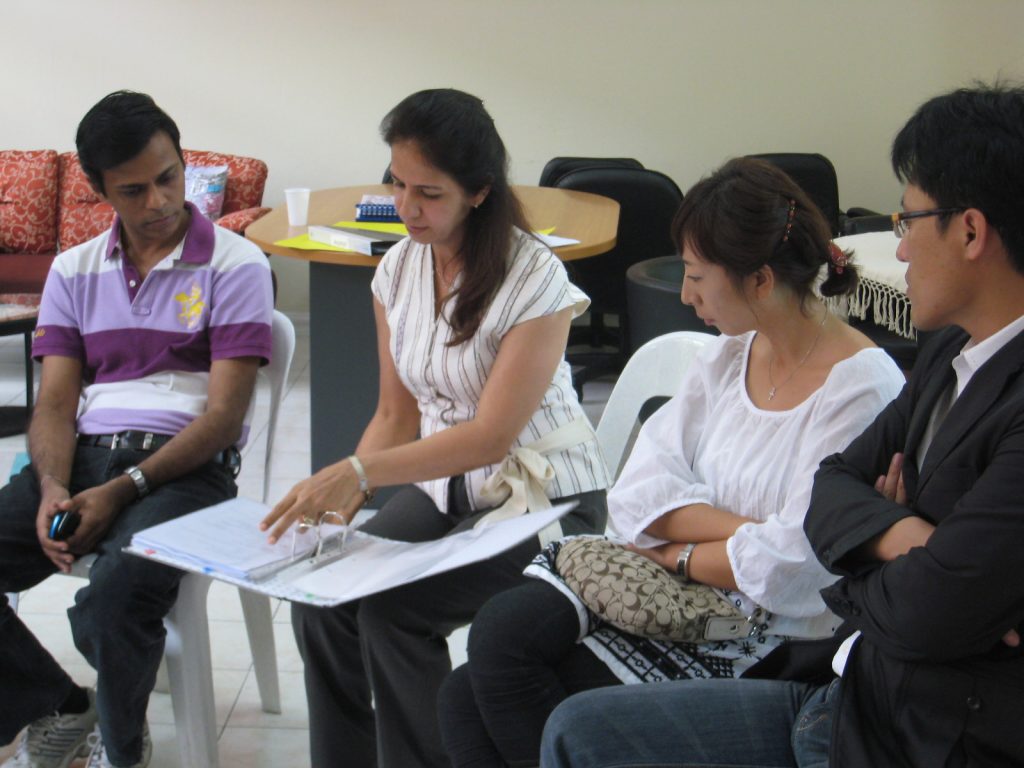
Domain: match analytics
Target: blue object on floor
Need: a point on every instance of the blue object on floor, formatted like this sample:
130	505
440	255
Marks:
20	462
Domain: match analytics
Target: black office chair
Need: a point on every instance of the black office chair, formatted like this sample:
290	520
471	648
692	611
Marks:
867	221
648	201
816	176
653	288
557	167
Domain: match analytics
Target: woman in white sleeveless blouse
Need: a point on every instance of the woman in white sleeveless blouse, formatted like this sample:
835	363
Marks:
472	317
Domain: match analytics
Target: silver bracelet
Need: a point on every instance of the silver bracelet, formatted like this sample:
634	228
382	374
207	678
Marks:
364	483
683	561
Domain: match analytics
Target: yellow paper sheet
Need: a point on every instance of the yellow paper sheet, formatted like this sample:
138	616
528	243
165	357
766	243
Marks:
304	243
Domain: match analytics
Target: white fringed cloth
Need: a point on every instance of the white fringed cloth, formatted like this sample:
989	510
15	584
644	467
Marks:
882	288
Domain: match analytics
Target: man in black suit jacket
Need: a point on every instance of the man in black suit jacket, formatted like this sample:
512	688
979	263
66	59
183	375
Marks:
922	516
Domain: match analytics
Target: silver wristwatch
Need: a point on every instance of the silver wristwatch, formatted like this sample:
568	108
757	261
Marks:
139	479
683	561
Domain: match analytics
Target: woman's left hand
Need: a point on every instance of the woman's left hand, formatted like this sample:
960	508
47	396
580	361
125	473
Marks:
333	488
665	555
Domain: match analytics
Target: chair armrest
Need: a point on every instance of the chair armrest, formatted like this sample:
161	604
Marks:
239	220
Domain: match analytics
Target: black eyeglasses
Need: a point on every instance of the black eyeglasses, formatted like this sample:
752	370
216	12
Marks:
900	218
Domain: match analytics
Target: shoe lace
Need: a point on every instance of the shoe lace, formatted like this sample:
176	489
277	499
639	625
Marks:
97	752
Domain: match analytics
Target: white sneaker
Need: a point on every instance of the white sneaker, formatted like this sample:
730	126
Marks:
55	740
98	753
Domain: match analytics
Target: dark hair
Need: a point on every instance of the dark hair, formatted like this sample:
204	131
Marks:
117	129
749	214
455	134
965	149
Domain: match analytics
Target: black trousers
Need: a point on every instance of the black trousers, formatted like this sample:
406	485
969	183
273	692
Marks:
392	646
523	662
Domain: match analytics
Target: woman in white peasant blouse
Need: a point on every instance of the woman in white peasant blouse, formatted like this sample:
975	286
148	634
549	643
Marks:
718	481
472	318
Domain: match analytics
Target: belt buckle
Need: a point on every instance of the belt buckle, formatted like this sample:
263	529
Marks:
114	440
147	441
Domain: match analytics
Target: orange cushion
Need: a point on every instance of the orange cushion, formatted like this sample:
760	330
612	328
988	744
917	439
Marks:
28	201
82	215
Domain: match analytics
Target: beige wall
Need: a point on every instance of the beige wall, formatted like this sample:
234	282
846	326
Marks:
679	84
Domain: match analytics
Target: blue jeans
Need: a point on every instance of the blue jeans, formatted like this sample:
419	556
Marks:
117	618
694	724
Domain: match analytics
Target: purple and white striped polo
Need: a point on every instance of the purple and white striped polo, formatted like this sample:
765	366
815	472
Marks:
146	348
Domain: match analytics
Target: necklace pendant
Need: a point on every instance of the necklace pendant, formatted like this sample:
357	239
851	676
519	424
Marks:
771	394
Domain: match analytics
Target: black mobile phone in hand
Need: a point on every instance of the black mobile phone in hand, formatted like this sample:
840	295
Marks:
64	524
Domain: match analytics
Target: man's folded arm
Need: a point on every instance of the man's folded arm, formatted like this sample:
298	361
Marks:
959	594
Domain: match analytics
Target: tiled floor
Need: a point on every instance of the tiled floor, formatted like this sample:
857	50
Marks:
247	736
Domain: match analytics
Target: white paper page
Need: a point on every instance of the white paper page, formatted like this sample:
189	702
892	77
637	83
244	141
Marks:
554	241
223	537
373	565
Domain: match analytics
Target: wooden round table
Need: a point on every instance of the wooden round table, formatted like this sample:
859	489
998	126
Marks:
343	345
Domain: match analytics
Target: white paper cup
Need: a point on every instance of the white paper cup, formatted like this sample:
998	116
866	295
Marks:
297	199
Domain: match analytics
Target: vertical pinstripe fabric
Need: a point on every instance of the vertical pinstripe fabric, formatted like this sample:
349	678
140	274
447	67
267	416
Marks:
447	382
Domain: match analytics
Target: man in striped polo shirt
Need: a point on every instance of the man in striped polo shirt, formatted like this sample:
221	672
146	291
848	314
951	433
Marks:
150	336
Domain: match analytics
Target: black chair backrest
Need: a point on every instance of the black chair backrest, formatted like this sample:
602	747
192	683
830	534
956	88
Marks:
557	167
648	201
856	225
816	176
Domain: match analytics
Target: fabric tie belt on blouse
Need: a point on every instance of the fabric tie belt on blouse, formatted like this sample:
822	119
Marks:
521	479
151	441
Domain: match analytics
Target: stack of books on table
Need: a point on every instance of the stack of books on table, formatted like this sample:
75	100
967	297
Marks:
377	208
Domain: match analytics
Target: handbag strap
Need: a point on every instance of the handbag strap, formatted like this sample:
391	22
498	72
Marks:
520	482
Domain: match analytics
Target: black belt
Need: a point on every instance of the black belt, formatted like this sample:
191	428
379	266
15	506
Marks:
150	441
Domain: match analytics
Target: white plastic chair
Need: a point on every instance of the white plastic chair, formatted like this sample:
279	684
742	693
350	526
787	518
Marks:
187	647
654	370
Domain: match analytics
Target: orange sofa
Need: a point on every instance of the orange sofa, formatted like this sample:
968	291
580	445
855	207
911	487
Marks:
47	205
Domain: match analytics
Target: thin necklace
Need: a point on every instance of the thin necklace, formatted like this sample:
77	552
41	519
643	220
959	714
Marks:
443	280
807	354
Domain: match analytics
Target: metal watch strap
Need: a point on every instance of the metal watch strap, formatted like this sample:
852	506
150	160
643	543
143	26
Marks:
139	479
683	561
